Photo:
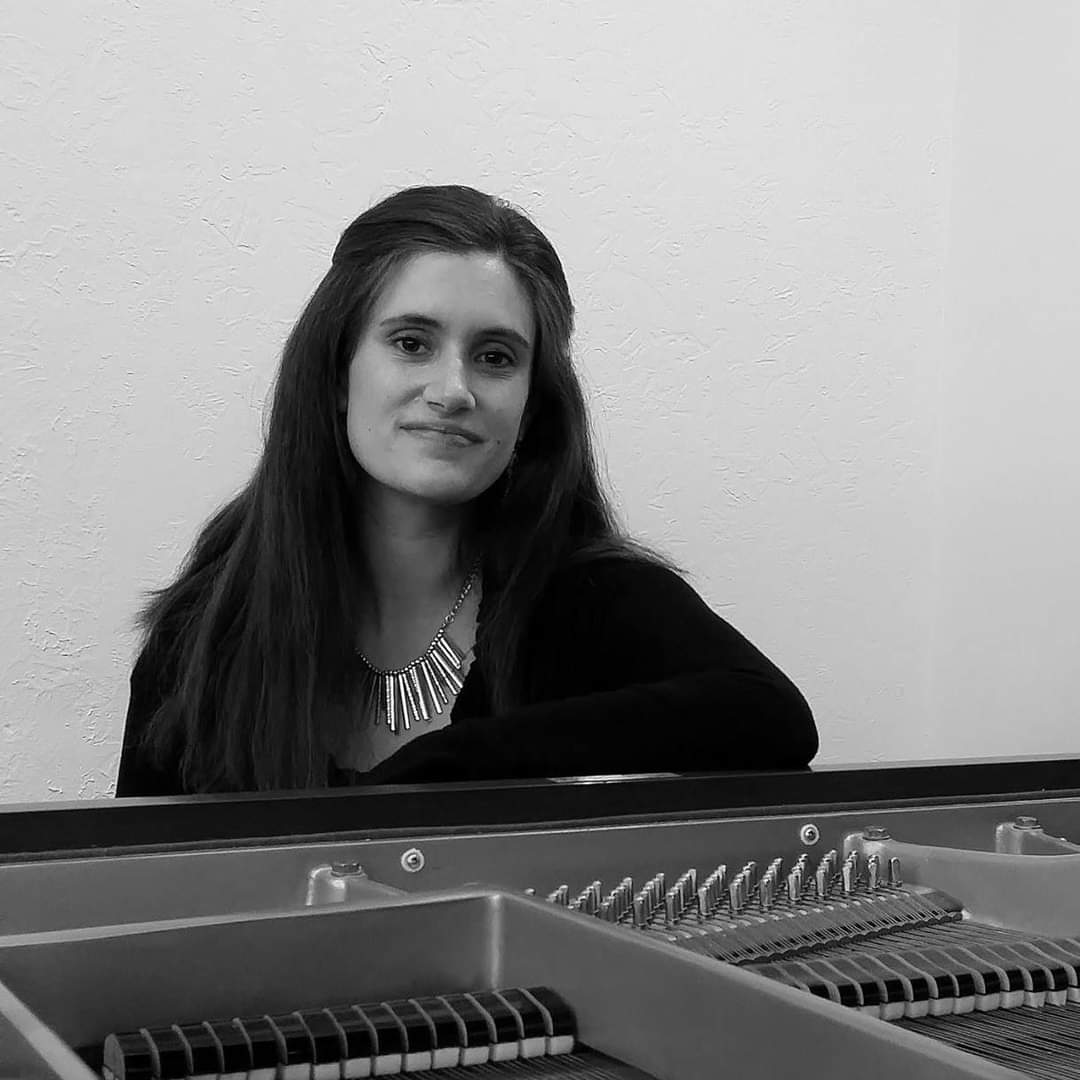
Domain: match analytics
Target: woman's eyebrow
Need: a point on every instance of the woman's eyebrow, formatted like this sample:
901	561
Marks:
434	324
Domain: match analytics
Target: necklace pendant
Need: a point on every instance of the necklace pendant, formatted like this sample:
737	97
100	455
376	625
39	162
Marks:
421	690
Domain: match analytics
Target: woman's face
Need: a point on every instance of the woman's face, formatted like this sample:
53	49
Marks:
439	380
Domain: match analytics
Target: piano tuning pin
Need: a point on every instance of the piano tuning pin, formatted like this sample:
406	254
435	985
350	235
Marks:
750	869
846	878
704	907
821	880
763	893
640	919
872	872
671	911
793	889
687	890
691	876
894	872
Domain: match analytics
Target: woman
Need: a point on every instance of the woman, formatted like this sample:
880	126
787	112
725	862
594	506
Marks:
423	579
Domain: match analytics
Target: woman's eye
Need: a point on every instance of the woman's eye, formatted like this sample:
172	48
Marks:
498	359
401	342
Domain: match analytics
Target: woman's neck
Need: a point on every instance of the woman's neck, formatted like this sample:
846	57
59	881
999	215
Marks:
417	554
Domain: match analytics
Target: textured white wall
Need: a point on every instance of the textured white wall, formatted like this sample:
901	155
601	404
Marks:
755	206
1007	636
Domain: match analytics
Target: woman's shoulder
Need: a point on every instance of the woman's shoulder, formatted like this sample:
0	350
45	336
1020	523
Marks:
618	576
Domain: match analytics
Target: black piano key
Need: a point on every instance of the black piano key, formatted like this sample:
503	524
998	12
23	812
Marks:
474	1021
529	1014
389	1036
419	1033
359	1037
235	1049
504	1025
443	1021
446	1028
327	1042
563	1025
203	1048
262	1037
128	1056
172	1053
294	1045
920	988
507	1025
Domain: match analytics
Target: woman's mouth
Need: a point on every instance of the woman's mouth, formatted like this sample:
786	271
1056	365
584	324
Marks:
445	434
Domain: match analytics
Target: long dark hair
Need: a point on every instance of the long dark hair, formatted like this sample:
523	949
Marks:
255	635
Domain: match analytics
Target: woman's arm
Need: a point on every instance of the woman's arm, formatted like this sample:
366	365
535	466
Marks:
638	675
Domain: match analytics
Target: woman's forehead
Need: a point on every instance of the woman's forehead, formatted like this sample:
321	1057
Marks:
468	292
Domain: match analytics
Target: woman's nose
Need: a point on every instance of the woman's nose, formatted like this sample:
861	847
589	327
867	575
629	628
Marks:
449	387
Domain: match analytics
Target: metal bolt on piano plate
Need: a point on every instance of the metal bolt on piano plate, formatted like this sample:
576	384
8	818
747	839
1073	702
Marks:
344	869
1026	821
876	832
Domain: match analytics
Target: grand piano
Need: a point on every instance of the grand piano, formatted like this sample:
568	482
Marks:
917	920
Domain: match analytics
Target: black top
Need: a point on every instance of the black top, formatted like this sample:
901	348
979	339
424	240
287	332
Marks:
626	670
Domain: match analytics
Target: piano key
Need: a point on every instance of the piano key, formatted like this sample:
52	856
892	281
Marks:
326	1041
562	1027
504	1022
533	1028
389	1038
474	1027
204	1062
359	1042
446	1051
128	1056
233	1048
294	1047
419	1035
262	1038
171	1060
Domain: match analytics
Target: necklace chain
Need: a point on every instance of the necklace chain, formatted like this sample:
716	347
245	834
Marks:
466	588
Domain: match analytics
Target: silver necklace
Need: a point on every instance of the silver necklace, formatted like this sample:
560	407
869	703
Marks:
401	697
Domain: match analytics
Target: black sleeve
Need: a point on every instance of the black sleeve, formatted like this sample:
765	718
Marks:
638	675
137	775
